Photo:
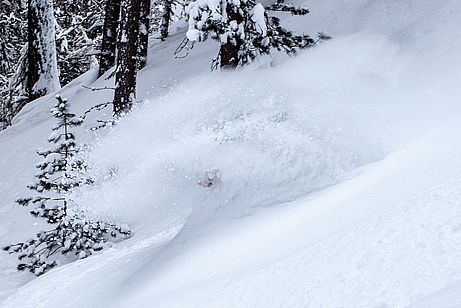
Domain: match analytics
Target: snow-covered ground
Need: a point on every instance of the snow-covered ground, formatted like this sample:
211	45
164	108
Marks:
339	173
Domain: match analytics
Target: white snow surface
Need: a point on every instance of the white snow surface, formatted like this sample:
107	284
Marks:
336	174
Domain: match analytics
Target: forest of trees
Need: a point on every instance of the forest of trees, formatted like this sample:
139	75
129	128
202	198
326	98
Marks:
45	44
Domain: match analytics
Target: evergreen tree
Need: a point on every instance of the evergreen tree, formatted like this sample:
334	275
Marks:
244	29
74	235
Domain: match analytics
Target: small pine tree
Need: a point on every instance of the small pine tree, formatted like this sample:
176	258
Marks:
244	29
74	235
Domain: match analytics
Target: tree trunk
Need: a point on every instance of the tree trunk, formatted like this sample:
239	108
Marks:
42	73
229	50
5	65
144	32
109	39
166	16
32	52
127	46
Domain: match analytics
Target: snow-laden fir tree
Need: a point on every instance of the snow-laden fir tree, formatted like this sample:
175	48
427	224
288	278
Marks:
73	236
244	29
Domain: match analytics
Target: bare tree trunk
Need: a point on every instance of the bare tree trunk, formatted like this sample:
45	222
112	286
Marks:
109	39
42	70
229	51
144	32
127	46
166	16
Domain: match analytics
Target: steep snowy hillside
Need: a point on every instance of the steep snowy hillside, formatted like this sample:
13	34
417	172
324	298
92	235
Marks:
337	173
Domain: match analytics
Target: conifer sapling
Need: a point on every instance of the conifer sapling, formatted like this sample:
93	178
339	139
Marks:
73	236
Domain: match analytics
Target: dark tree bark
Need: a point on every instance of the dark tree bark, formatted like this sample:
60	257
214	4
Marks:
229	50
144	32
109	39
127	46
166	16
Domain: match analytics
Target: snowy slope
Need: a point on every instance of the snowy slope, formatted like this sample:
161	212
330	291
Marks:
363	243
372	115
